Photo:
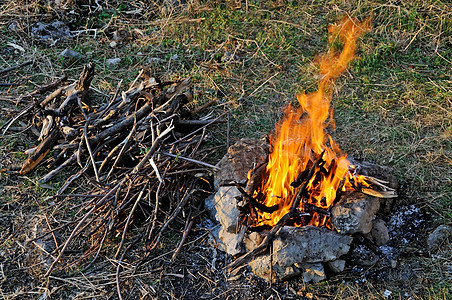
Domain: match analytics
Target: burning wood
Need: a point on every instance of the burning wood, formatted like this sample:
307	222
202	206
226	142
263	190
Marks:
299	140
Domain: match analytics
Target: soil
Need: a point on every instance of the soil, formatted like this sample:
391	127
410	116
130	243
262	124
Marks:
404	267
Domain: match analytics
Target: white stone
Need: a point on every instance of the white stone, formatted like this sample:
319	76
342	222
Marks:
226	206
112	62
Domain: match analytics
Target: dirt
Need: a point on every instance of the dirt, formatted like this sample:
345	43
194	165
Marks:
404	269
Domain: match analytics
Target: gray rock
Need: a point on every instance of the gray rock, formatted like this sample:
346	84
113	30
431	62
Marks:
225	204
363	256
50	33
354	213
313	272
210	207
261	268
232	242
230	57
69	54
379	233
336	266
286	273
112	62
309	244
380	172
253	240
301	249
241	157
438	237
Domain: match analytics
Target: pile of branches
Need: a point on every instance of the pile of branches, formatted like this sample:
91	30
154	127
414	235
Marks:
137	151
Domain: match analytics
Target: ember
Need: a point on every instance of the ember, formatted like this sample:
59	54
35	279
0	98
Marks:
300	140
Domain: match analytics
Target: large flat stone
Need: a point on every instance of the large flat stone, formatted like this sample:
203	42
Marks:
309	244
301	249
261	267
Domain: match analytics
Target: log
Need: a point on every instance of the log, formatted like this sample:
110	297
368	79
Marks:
40	152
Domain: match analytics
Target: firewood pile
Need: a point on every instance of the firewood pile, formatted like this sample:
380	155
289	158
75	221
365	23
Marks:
138	151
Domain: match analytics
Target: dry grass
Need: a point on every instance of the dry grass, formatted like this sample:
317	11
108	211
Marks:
393	107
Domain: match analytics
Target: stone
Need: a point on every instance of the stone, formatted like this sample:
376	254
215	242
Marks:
301	249
363	256
286	273
337	265
230	57
225	205
309	244
232	242
240	158
253	240
438	237
210	207
313	272
50	33
354	213
112	62
379	233
379	172
70	55
260	266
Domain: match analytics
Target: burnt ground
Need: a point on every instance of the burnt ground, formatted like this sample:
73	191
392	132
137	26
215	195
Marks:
394	103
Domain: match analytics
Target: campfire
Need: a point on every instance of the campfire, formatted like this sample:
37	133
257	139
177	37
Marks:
300	143
301	180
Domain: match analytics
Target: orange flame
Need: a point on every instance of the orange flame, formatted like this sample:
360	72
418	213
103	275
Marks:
301	135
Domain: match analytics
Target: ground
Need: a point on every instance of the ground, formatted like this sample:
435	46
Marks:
393	106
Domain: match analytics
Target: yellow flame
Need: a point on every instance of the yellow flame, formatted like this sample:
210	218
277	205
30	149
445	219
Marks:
302	132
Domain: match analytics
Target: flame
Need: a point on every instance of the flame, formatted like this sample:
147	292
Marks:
300	137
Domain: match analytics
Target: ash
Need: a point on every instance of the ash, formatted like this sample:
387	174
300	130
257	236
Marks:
405	223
